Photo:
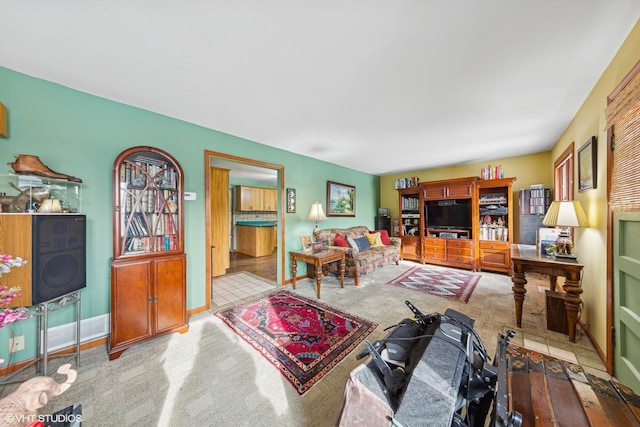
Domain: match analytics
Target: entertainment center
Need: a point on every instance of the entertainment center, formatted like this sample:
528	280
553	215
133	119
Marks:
463	222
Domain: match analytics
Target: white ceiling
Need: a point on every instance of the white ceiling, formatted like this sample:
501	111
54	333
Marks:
377	86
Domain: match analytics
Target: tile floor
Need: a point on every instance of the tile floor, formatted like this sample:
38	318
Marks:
556	345
234	288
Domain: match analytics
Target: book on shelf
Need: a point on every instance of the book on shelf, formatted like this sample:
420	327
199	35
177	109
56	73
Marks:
489	172
410	182
491	232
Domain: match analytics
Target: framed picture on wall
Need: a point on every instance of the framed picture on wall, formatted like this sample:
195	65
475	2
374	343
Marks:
587	165
341	199
291	200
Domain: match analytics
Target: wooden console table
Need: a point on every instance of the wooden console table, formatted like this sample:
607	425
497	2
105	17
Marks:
318	259
526	259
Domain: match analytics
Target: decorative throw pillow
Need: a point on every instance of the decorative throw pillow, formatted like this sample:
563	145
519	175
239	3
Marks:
362	243
352	243
339	240
384	236
374	239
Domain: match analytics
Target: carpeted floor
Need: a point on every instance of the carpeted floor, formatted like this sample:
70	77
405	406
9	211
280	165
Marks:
210	376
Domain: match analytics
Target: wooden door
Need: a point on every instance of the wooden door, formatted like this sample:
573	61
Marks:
219	179
626	288
170	293
131	302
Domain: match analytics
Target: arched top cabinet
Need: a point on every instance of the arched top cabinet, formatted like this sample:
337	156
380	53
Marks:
148	270
148	203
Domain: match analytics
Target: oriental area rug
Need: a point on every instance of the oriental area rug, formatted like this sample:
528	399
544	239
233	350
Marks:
451	284
303	338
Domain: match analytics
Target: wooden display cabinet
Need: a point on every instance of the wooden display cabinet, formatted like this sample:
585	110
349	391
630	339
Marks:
411	223
495	216
148	270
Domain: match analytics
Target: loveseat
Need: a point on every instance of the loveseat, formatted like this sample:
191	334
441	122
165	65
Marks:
360	261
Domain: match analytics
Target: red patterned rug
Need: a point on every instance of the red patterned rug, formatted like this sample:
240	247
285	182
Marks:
451	284
303	338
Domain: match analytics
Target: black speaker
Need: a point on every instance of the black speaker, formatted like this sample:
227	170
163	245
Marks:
529	225
383	222
59	255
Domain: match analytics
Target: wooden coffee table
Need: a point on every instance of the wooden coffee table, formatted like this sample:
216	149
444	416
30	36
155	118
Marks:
318	259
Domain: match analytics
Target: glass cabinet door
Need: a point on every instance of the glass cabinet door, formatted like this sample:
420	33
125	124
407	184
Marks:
148	201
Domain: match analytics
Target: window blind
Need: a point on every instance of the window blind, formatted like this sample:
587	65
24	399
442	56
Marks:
625	180
624	99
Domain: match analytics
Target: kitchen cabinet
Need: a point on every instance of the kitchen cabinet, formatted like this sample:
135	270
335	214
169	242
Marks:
257	199
255	240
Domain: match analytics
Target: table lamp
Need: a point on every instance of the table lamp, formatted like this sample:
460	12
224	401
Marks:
565	214
316	214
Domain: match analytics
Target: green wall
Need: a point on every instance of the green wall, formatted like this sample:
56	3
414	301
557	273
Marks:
79	134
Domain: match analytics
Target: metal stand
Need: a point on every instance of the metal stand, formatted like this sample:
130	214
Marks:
42	311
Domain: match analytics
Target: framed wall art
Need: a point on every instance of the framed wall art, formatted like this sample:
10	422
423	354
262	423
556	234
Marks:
341	199
291	200
587	165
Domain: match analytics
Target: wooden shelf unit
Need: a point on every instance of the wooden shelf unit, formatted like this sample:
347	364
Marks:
148	269
455	246
495	216
411	223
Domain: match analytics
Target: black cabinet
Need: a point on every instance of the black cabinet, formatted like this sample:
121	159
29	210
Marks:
383	222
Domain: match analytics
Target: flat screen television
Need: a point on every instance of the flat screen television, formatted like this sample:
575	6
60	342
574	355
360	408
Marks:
454	216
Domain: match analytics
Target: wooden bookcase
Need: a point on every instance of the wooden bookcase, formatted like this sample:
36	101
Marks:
495	216
472	244
411	223
148	270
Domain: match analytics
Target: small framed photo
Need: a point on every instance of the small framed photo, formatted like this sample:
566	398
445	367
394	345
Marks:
341	199
291	200
546	237
307	243
587	165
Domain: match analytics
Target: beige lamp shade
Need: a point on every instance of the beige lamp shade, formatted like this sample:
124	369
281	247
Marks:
316	214
566	214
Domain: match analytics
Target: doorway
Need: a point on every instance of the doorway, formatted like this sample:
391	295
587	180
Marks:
240	170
